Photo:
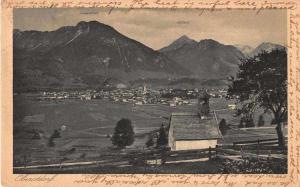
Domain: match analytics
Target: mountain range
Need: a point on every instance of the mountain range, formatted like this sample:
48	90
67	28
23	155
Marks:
85	55
206	59
92	54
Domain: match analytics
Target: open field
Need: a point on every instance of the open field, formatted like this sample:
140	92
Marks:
204	167
89	122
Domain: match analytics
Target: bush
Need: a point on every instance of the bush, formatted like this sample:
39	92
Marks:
51	142
150	141
261	121
124	134
252	166
56	134
242	123
250	122
246	121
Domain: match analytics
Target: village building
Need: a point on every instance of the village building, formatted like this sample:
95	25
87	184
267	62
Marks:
197	130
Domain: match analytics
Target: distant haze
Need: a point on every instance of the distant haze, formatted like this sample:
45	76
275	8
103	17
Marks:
158	28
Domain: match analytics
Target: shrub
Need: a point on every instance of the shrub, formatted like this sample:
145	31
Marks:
252	166
246	121
51	142
150	141
56	134
250	122
261	121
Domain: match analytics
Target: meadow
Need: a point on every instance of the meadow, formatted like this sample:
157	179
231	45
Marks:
88	126
89	123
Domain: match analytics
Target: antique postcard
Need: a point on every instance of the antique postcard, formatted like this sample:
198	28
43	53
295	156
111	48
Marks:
150	93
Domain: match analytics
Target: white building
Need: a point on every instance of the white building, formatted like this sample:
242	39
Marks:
189	131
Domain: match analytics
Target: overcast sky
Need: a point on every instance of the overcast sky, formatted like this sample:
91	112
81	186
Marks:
158	28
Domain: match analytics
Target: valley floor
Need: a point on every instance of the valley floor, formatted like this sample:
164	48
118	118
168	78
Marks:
85	145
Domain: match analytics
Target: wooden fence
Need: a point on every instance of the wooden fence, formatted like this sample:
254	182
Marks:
254	149
257	142
258	149
162	155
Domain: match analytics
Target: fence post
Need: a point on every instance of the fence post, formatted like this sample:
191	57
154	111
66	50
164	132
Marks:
257	147
209	153
144	160
241	152
269	155
24	161
164	156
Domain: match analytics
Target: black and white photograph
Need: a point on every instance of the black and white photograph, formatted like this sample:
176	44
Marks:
149	91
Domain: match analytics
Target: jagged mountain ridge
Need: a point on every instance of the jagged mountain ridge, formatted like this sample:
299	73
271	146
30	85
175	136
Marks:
85	55
91	53
205	59
183	40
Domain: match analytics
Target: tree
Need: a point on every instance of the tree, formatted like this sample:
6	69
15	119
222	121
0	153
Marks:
123	134
246	121
261	121
262	82
162	139
56	134
223	126
150	141
249	122
51	142
242	123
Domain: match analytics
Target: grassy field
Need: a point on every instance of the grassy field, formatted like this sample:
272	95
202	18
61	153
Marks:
206	167
88	124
